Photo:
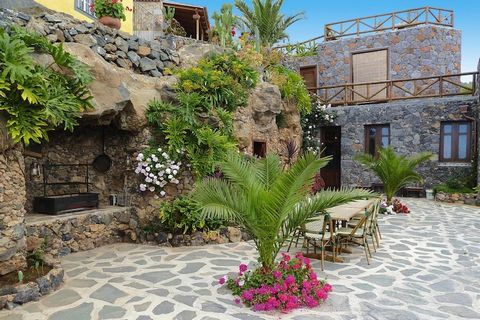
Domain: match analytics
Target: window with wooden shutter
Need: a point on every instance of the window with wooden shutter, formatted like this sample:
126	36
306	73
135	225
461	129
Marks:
370	66
455	141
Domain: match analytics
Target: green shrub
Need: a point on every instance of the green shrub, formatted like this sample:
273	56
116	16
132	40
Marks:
182	216
200	127
447	188
292	87
38	99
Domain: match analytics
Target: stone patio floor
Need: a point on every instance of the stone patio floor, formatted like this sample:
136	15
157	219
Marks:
428	267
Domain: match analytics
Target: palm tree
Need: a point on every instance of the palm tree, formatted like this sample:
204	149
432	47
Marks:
268	202
265	21
394	170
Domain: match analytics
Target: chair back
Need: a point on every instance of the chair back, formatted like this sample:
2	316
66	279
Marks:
315	225
327	225
361	223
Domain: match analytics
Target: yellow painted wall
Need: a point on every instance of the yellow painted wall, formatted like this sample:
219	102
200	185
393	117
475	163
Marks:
68	6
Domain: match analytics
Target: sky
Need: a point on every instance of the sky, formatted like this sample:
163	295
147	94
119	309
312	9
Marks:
320	12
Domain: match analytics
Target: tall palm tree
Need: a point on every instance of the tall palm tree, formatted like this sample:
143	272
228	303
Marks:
269	202
265	21
394	170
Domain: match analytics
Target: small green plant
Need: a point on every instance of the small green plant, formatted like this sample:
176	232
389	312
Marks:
20	276
182	216
395	171
109	8
38	99
37	258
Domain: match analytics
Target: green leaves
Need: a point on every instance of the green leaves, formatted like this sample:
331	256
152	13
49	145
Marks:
268	202
36	98
201	123
265	21
395	171
292	87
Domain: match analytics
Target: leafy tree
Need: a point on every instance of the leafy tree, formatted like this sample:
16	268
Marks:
269	202
395	171
265	21
40	98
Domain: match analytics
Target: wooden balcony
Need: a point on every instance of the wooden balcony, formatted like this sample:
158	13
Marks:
393	90
374	24
389	21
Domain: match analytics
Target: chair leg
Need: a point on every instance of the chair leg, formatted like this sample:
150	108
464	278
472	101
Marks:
322	258
368	248
378	229
298	238
365	249
373	242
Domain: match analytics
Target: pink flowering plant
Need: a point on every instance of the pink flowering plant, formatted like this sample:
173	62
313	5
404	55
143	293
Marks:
291	284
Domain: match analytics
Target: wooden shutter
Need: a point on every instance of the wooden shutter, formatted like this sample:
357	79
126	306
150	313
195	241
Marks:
370	66
309	75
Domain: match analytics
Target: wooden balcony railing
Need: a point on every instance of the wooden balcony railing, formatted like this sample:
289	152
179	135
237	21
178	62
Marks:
392	90
375	24
389	21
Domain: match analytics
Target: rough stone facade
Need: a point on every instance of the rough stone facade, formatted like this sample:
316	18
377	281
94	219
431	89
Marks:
414	127
422	51
80	231
12	212
461	198
116	47
258	121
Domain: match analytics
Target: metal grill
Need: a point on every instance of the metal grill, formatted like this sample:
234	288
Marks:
84	7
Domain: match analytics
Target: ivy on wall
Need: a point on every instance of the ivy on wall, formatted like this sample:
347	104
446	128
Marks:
40	98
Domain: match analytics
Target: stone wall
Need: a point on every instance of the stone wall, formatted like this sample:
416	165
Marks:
116	47
79	231
421	51
414	127
12	212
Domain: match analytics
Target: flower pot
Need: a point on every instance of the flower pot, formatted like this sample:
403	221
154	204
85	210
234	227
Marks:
111	22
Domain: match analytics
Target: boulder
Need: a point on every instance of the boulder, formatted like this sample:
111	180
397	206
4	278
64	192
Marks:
189	55
119	95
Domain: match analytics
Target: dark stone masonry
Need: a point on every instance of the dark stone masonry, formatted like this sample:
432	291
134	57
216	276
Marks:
414	128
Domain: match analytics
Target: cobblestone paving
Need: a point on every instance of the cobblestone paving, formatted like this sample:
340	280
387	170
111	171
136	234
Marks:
428	267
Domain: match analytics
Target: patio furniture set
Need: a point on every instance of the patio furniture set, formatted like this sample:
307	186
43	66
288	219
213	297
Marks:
339	227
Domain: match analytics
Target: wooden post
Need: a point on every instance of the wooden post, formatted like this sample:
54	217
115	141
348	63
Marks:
196	17
440	86
427	13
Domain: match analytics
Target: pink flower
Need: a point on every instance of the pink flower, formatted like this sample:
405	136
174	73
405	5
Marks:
237	301
222	280
289	280
277	275
247	295
243	268
327	287
321	294
286	257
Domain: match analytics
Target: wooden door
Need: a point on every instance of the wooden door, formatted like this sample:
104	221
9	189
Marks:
332	146
309	75
370	66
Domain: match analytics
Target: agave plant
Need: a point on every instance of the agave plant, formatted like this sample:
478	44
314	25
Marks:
395	171
269	202
265	21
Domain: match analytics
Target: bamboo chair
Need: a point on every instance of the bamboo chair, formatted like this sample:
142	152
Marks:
358	232
319	234
371	225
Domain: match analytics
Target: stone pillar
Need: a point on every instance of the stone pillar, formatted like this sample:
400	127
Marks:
12	211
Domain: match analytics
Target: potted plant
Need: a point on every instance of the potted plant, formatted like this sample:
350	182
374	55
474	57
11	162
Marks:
109	12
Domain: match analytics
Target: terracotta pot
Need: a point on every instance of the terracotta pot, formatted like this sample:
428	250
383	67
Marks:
111	22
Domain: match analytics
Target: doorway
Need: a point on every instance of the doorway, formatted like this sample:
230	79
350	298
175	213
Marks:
331	146
309	75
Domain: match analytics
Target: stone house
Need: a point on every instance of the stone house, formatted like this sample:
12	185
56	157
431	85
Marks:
394	79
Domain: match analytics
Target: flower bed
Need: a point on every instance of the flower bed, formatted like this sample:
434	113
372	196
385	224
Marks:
20	293
291	284
396	207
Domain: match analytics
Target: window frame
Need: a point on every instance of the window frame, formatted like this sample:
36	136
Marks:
77	5
455	142
378	137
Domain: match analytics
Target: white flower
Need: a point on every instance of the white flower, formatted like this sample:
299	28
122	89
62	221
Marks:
151	175
140	157
168	171
170	177
156	197
151	189
157	166
148	180
159	149
163	193
157	182
147	169
143	187
165	155
161	173
137	171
